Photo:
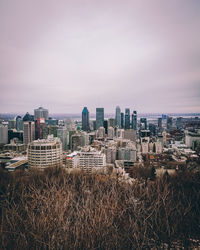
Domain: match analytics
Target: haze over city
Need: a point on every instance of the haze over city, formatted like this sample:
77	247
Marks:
64	55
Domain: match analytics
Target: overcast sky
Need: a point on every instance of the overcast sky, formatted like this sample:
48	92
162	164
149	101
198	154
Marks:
65	55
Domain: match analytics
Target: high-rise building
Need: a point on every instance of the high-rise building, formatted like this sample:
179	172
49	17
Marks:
143	123
99	117
160	124
28	117
179	122
105	125
29	132
122	120
63	134
127	118
85	119
134	120
118	117
39	129
41	113
19	123
169	122
45	153
12	124
3	134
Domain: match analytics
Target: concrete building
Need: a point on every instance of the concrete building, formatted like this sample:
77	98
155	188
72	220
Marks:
29	132
100	133
41	113
3	134
130	134
45	153
191	138
90	160
127	153
111	132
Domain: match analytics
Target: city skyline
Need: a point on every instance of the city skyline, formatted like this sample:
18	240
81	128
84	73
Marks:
67	55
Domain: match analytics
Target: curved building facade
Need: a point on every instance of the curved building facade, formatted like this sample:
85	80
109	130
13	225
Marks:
45	153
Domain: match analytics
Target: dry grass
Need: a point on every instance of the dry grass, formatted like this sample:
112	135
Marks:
57	210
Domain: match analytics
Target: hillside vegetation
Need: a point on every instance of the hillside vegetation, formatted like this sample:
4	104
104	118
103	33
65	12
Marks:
54	209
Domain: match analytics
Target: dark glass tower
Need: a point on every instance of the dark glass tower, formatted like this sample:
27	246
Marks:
85	119
99	117
127	118
122	120
134	120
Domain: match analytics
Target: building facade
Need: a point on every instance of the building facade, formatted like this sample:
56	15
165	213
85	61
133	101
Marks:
99	117
85	119
45	153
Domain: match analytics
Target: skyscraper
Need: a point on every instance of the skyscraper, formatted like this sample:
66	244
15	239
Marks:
118	117
29	132
99	117
122	120
63	134
143	123
127	118
19	123
41	113
134	120
85	119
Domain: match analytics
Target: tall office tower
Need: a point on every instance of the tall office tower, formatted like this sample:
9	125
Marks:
19	123
63	134
118	117
127	118
28	117
152	128
179	122
134	120
105	125
29	132
3	134
169	122
143	123
41	113
99	117
122	120
85	119
12	124
160	124
40	128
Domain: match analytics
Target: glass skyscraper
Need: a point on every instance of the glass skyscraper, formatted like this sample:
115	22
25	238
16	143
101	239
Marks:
99	117
127	118
85	119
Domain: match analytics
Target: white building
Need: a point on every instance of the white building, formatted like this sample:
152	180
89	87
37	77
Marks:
191	137
29	132
89	160
45	153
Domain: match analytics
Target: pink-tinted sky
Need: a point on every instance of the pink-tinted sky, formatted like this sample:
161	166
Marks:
63	55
